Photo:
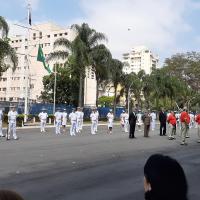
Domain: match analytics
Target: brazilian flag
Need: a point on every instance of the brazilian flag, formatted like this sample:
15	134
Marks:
41	58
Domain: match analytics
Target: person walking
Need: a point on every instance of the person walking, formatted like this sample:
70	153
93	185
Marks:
79	116
122	120
162	119
126	122
81	119
132	122
147	122
93	118
58	120
1	123
139	120
64	119
97	116
164	179
153	120
198	126
110	118
185	120
172	125
43	119
73	119
12	118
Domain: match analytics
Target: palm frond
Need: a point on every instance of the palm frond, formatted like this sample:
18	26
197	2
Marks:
57	55
63	42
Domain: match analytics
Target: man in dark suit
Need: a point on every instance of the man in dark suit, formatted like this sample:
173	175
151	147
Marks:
163	120
132	122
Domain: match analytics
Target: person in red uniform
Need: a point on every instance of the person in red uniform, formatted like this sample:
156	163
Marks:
185	120
172	125
198	124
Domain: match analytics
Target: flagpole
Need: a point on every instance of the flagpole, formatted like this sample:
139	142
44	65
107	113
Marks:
54	92
27	70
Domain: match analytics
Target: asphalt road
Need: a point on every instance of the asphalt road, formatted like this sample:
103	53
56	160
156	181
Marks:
100	167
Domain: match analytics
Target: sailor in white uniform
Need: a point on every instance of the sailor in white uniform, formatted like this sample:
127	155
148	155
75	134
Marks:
93	118
1	123
139	120
64	119
110	118
81	119
126	122
43	119
122	120
97	116
58	120
153	120
73	119
78	124
12	118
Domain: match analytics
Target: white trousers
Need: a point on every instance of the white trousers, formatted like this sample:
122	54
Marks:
12	128
93	127
58	125
1	133
78	125
153	125
126	126
81	124
97	122
42	125
73	128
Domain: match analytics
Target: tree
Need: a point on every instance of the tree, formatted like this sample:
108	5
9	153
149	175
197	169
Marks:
115	76
79	52
7	53
66	90
105	101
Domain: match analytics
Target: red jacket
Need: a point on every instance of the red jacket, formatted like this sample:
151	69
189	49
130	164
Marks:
171	119
185	117
198	119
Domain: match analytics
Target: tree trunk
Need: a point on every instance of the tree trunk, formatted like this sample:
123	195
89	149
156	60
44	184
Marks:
97	93
114	103
126	96
80	96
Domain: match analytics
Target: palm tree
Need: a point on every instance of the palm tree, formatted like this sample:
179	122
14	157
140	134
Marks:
78	51
116	77
6	51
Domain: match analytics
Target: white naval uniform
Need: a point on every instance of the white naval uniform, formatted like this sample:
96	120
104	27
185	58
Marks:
93	117
191	120
153	122
43	120
78	124
12	116
81	120
126	122
64	118
73	119
58	118
122	120
110	118
1	123
97	116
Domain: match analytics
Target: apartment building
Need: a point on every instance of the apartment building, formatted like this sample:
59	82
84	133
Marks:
139	58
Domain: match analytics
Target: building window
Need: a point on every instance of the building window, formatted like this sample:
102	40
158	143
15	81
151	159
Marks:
26	47
26	39
4	89
55	35
16	40
40	35
66	33
12	41
48	36
20	40
60	34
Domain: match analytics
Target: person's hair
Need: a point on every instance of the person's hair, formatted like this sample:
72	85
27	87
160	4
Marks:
166	177
9	195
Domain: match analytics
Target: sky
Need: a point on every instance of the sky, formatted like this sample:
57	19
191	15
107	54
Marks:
166	27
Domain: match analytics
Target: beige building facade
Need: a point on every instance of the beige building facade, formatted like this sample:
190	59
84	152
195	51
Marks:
29	72
140	58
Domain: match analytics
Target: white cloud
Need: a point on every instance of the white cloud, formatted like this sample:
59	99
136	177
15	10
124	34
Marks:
154	23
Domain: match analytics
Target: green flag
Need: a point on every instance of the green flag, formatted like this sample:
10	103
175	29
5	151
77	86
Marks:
41	58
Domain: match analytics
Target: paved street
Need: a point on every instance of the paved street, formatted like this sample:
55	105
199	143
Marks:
101	167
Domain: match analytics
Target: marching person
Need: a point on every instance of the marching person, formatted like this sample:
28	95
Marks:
64	119
58	120
132	122
198	124
162	119
110	118
93	118
81	119
147	122
185	120
12	118
43	119
172	125
73	119
153	120
126	123
78	124
191	119
139	120
178	124
1	123
97	115
122	120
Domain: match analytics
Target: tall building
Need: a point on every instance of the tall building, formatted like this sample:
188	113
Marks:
139	58
29	70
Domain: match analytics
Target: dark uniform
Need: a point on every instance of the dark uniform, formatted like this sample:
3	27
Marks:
162	119
132	122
